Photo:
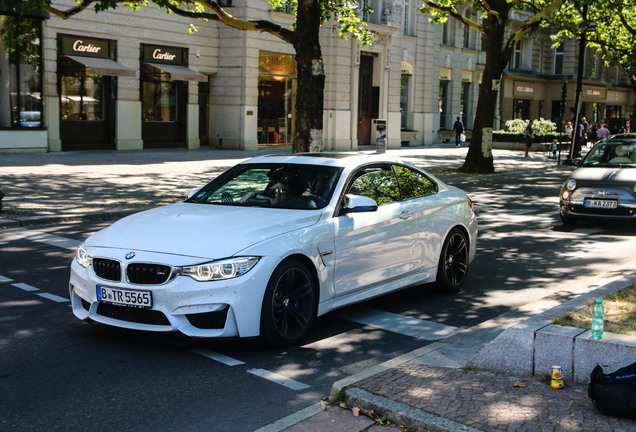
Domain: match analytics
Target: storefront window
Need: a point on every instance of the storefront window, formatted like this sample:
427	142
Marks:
276	98
443	103
404	100
159	96
521	109
21	88
82	95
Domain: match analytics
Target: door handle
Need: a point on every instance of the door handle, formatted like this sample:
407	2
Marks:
405	215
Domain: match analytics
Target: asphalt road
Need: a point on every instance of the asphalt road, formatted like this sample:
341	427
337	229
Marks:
58	373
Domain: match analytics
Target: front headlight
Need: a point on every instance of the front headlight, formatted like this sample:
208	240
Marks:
218	270
570	185
83	258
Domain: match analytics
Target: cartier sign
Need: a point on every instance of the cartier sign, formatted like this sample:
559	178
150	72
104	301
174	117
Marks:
85	46
164	54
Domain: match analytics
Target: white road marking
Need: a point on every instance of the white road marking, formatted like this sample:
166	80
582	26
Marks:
278	379
401	324
5	279
53	297
41	237
229	361
25	287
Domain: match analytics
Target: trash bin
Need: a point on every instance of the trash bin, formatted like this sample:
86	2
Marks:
378	127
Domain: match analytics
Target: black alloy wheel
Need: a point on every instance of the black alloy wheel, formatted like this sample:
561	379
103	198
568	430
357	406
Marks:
453	263
289	305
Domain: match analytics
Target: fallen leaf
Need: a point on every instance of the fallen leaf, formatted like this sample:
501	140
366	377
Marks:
323	406
356	411
520	385
343	405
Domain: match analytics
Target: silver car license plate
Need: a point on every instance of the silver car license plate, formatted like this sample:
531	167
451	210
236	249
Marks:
601	203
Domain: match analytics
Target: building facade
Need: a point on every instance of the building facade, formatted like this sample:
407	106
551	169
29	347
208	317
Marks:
127	80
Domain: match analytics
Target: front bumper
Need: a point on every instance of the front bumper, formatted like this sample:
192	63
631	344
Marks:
217	309
575	206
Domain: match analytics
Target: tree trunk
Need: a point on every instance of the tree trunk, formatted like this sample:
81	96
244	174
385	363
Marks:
311	78
479	158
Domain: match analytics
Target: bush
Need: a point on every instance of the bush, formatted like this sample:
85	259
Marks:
544	132
539	127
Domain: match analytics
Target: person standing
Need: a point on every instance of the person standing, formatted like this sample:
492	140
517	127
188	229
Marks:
458	130
529	137
592	133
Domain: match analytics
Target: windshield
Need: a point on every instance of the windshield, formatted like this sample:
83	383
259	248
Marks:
292	186
612	153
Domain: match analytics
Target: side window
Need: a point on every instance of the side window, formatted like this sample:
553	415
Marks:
377	183
413	183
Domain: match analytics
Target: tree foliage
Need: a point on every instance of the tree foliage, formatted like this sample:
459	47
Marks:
609	25
494	20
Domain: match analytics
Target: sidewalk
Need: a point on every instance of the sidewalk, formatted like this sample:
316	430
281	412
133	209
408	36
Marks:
429	389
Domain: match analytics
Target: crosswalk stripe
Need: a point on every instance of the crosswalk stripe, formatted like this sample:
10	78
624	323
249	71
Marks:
53	297
229	361
5	279
25	287
421	329
278	379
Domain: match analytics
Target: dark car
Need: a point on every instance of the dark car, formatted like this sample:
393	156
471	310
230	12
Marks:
603	186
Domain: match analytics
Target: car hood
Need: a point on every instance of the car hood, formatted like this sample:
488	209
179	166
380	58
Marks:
609	175
200	230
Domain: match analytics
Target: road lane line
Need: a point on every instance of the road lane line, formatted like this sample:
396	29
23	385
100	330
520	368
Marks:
229	361
278	379
396	323
53	297
5	279
25	287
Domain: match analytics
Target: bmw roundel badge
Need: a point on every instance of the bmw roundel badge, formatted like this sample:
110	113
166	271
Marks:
130	255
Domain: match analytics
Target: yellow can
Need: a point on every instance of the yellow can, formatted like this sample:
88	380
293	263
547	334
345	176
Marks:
557	378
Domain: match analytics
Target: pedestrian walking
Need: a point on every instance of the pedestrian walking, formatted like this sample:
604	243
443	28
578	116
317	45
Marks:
458	131
529	137
604	131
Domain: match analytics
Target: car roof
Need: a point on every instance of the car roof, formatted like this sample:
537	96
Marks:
623	136
337	159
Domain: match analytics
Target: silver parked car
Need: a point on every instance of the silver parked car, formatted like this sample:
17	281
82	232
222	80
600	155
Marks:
603	186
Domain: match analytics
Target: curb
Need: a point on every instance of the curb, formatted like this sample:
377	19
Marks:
55	219
402	414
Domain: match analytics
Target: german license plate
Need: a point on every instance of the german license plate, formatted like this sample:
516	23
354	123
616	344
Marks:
125	297
601	203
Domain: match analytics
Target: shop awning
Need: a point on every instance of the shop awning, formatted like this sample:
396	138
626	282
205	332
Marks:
103	66
179	73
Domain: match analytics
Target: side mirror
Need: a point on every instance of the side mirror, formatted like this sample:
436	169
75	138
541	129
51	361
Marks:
192	192
358	204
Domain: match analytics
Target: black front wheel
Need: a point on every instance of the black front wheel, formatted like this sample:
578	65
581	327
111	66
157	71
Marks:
453	262
289	305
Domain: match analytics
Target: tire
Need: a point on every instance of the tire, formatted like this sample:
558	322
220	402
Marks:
453	262
289	304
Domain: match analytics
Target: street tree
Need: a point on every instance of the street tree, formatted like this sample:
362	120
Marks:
607	25
303	35
501	38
